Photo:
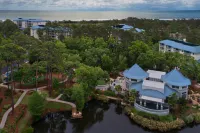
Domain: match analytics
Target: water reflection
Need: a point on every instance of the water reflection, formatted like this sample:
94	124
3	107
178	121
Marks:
97	118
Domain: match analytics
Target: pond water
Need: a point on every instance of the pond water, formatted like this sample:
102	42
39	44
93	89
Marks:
97	118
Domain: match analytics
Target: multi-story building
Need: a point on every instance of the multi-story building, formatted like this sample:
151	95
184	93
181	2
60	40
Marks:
25	23
51	32
154	87
181	47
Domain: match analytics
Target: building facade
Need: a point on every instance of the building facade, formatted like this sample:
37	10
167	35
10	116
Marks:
23	23
181	47
51	32
154	87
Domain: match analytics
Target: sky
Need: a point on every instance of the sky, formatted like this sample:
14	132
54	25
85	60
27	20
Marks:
99	4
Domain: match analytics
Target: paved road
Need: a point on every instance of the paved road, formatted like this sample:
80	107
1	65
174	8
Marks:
3	121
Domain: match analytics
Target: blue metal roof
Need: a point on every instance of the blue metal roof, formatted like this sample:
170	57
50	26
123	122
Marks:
139	30
37	27
182	45
135	72
153	93
30	20
176	78
127	27
123	27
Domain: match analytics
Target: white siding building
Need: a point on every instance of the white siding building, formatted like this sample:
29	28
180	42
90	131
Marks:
51	32
181	47
25	23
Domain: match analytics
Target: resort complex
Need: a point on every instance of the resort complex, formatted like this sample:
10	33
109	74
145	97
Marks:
53	72
23	23
181	47
154	87
54	33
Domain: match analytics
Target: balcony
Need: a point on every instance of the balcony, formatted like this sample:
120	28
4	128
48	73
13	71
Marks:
152	108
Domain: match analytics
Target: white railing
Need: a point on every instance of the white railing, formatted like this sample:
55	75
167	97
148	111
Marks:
151	111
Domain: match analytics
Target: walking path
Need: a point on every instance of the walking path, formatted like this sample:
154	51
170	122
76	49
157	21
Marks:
74	111
57	98
3	121
113	98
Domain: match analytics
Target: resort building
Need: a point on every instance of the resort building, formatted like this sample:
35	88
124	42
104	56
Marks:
123	27
154	88
51	32
181	47
25	23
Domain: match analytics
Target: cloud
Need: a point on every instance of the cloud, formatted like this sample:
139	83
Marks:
100	4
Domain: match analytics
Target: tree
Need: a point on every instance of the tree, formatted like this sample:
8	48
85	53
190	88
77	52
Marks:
106	63
9	28
12	53
172	100
132	96
137	48
36	105
78	96
88	77
118	88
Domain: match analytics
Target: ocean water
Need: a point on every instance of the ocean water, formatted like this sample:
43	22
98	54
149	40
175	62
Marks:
98	15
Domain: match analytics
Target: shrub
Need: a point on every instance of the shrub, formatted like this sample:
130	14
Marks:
102	98
55	83
109	93
28	130
189	119
36	104
8	93
197	118
2	131
154	124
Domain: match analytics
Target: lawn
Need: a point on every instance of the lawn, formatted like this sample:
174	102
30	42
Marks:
54	105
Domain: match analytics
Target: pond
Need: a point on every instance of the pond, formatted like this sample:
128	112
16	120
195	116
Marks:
98	117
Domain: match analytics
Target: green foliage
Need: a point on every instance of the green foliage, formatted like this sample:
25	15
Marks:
67	94
172	100
189	119
8	93
2	131
28	130
102	98
36	104
109	93
56	83
78	96
89	77
8	28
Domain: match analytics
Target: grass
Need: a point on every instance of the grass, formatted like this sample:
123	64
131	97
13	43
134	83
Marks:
55	105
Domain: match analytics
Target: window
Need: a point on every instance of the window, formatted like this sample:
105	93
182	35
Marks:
175	87
127	85
134	80
184	95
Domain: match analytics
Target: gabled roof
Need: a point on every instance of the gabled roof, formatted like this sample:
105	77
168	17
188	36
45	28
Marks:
153	93
176	78
193	48
135	72
139	30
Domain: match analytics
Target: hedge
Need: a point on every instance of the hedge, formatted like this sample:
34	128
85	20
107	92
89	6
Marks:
154	124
